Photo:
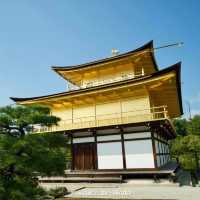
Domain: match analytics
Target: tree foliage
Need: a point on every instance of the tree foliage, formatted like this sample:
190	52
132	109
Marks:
25	156
19	120
181	126
22	160
193	126
186	147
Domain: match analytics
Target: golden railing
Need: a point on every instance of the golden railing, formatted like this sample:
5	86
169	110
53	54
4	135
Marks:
154	113
112	80
105	81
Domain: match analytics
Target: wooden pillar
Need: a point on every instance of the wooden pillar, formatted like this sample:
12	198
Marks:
123	148
96	156
162	146
72	155
154	148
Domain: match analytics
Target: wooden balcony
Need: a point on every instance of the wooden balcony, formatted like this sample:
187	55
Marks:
154	113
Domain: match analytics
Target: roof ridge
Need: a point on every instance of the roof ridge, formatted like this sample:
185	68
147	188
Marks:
71	67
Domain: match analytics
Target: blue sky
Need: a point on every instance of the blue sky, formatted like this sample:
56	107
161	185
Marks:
36	34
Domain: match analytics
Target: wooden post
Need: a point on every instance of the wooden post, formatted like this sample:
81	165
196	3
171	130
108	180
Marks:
121	110
71	148
154	149
96	157
142	71
95	112
123	148
165	112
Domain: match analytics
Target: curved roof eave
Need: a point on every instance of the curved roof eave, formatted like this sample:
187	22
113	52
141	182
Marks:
148	45
176	67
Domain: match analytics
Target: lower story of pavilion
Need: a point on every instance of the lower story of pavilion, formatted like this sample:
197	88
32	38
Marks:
141	146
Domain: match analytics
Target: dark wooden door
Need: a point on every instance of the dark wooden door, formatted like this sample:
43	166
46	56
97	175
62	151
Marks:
84	156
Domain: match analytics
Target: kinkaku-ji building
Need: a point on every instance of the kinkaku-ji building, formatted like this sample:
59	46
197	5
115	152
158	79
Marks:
117	111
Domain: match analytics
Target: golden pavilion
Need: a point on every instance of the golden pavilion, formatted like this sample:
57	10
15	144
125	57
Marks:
117	111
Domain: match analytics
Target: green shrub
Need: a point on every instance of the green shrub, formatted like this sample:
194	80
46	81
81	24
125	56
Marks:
58	192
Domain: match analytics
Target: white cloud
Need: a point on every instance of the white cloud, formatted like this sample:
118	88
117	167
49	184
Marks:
195	112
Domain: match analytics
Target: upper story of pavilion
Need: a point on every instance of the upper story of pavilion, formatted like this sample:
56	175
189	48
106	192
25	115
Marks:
130	65
123	89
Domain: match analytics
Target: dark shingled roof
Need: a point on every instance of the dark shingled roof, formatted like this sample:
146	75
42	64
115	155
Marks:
148	45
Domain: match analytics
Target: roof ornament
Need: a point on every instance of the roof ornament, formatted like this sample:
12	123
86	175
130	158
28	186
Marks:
114	52
178	44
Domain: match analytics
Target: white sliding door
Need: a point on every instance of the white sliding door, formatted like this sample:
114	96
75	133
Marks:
139	154
109	155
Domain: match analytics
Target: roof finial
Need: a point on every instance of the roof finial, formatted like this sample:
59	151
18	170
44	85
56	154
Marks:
114	52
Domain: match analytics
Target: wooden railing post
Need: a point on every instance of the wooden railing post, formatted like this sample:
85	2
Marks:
121	120
95	112
165	112
142	71
153	112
